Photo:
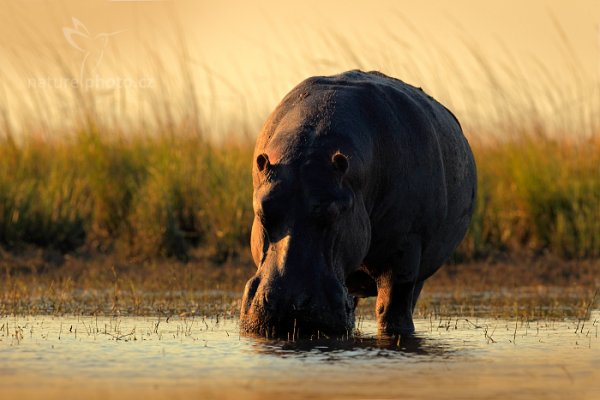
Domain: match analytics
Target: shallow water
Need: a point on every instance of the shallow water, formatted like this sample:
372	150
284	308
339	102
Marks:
75	357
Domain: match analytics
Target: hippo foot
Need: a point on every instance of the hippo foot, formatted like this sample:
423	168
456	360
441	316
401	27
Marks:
395	323
407	328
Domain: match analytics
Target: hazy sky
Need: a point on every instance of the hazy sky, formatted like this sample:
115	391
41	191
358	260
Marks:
257	50
526	27
235	30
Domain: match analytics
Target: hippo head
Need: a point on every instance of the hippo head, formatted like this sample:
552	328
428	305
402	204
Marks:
310	231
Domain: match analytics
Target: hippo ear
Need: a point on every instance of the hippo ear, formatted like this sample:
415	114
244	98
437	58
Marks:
262	162
340	162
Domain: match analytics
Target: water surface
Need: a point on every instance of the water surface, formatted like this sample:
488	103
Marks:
73	357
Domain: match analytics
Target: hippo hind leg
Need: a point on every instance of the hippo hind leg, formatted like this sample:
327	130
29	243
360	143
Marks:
398	290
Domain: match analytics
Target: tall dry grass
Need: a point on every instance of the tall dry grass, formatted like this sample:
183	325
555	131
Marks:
164	188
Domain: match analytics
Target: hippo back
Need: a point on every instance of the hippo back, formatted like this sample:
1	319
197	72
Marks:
413	165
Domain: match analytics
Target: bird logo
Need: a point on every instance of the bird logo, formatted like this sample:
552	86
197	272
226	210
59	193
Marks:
93	47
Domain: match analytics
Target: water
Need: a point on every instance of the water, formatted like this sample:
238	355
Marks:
75	357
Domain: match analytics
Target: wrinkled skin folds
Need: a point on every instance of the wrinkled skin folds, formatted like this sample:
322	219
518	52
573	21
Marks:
363	186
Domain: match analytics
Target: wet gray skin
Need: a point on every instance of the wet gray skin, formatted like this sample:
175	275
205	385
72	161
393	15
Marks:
363	186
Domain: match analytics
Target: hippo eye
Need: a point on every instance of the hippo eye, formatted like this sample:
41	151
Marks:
271	212
325	212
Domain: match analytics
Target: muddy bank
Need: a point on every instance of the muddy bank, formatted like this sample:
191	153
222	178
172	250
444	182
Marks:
542	287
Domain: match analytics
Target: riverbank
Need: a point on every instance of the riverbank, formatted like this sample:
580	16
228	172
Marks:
104	285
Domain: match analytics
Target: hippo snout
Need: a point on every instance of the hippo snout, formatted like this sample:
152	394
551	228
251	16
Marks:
274	307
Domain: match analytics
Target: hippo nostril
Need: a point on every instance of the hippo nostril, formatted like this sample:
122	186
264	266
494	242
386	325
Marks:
249	294
252	287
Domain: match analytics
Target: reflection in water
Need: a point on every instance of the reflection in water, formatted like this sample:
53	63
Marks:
357	347
365	344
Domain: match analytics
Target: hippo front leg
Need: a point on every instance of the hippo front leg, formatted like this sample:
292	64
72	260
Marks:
396	290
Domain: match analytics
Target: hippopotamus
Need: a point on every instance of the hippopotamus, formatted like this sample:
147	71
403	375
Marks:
363	186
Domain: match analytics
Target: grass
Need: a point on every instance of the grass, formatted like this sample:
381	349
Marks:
149	196
136	196
537	194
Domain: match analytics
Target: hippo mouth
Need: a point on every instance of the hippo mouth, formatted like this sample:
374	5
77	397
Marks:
298	324
292	318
